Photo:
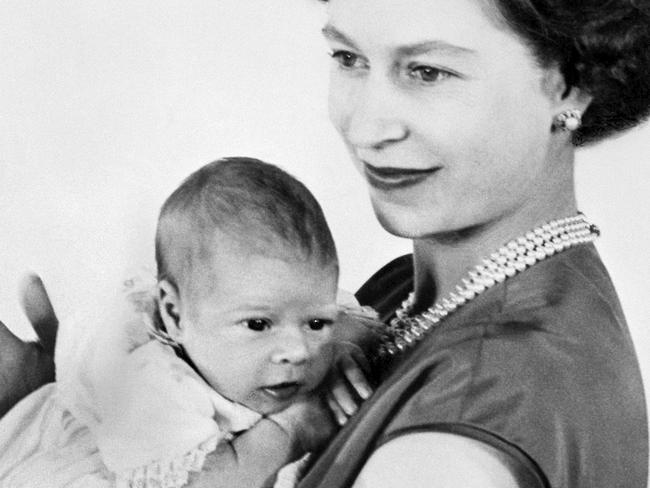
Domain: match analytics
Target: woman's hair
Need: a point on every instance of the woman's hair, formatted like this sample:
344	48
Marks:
600	46
262	208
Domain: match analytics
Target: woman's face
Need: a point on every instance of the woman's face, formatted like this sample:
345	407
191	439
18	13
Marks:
444	111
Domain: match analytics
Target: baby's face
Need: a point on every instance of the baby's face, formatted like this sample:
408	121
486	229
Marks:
259	328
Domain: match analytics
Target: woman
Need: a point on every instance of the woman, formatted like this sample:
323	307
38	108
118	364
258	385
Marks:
463	116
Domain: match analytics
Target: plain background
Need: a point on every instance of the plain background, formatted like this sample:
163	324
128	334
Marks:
106	106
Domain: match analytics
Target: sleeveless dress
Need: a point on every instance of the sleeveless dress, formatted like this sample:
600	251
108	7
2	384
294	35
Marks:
541	367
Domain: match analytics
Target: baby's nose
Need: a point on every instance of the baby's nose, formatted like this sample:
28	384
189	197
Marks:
291	348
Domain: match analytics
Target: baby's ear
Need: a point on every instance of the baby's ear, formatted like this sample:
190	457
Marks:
169	306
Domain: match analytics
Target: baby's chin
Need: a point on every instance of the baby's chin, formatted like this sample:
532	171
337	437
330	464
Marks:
273	399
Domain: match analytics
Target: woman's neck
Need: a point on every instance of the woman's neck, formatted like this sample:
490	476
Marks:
441	261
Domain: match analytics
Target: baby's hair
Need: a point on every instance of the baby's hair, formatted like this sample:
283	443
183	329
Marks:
261	207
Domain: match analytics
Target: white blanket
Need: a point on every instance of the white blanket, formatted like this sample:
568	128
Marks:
124	411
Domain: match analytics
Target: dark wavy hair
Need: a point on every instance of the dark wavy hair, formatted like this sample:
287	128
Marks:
600	46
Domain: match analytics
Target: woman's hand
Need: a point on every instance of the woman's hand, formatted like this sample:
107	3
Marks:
25	366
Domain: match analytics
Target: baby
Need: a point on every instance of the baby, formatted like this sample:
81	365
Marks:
222	382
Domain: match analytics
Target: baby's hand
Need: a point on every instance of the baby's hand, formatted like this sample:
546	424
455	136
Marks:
359	326
357	333
347	385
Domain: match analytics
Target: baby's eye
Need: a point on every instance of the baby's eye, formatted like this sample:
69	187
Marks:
346	59
319	324
258	325
427	74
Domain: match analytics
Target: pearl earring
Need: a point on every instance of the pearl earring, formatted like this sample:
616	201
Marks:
569	120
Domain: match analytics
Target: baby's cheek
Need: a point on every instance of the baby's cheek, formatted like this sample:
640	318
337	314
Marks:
324	359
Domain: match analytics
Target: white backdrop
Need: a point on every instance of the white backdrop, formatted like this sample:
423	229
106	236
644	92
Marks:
106	106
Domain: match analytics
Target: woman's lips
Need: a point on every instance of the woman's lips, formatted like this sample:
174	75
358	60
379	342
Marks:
282	391
388	178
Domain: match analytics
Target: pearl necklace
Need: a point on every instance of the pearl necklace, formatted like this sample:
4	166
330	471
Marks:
404	331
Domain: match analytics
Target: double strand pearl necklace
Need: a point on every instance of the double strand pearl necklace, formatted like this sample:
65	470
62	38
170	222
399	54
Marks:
404	331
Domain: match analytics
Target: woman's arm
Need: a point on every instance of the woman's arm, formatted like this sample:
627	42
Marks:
439	460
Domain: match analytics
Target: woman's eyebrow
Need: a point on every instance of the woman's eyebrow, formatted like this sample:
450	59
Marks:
424	47
332	33
435	46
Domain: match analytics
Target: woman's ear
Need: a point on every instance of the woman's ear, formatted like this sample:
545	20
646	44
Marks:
564	97
169	306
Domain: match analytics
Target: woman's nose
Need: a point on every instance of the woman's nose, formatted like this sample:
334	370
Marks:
369	119
291	347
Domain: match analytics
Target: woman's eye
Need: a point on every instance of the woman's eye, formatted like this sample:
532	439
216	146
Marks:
258	325
319	324
427	74
345	59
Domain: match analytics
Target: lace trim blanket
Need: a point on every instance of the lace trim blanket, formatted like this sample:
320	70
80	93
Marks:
153	417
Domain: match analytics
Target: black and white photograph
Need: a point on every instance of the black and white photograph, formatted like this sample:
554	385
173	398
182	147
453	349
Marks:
324	243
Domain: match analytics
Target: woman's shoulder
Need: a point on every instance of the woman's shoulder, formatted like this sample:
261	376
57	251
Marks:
533	369
539	367
576	279
552	334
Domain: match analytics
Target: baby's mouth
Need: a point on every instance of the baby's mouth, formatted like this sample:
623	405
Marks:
282	391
